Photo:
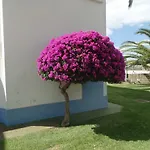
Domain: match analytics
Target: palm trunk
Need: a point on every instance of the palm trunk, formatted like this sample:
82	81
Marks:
63	87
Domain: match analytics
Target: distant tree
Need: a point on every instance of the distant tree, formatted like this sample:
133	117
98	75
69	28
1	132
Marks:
78	58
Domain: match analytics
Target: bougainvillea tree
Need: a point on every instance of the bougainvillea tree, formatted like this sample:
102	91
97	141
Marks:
80	57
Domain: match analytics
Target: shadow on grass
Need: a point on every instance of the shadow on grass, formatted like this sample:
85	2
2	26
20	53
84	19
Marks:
132	123
123	127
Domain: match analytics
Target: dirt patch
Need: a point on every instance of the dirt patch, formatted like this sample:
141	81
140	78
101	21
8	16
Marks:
143	101
24	129
56	147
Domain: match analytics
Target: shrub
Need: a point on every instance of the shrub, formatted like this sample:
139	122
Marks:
80	57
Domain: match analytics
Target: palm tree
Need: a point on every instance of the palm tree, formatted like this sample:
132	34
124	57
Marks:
137	53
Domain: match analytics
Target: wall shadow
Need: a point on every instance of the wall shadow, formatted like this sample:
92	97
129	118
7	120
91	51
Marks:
123	130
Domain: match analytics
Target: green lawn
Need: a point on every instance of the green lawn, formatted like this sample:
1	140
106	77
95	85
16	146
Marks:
127	130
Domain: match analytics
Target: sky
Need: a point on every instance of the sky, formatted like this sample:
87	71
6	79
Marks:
122	23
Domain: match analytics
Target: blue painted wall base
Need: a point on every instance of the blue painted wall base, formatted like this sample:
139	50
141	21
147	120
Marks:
92	99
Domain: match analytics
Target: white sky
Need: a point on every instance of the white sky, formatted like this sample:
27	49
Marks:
118	13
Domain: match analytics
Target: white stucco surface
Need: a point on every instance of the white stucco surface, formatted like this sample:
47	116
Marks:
3	97
28	27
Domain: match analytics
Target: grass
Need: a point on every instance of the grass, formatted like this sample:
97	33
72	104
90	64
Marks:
127	130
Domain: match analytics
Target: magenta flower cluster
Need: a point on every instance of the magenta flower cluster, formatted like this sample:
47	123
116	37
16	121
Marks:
80	57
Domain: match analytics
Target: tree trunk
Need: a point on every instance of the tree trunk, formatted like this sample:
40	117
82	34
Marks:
63	87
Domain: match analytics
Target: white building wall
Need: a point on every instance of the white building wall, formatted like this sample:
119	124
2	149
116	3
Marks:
28	27
2	63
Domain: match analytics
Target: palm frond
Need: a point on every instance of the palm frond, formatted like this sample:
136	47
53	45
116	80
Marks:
128	44
131	56
145	42
144	31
